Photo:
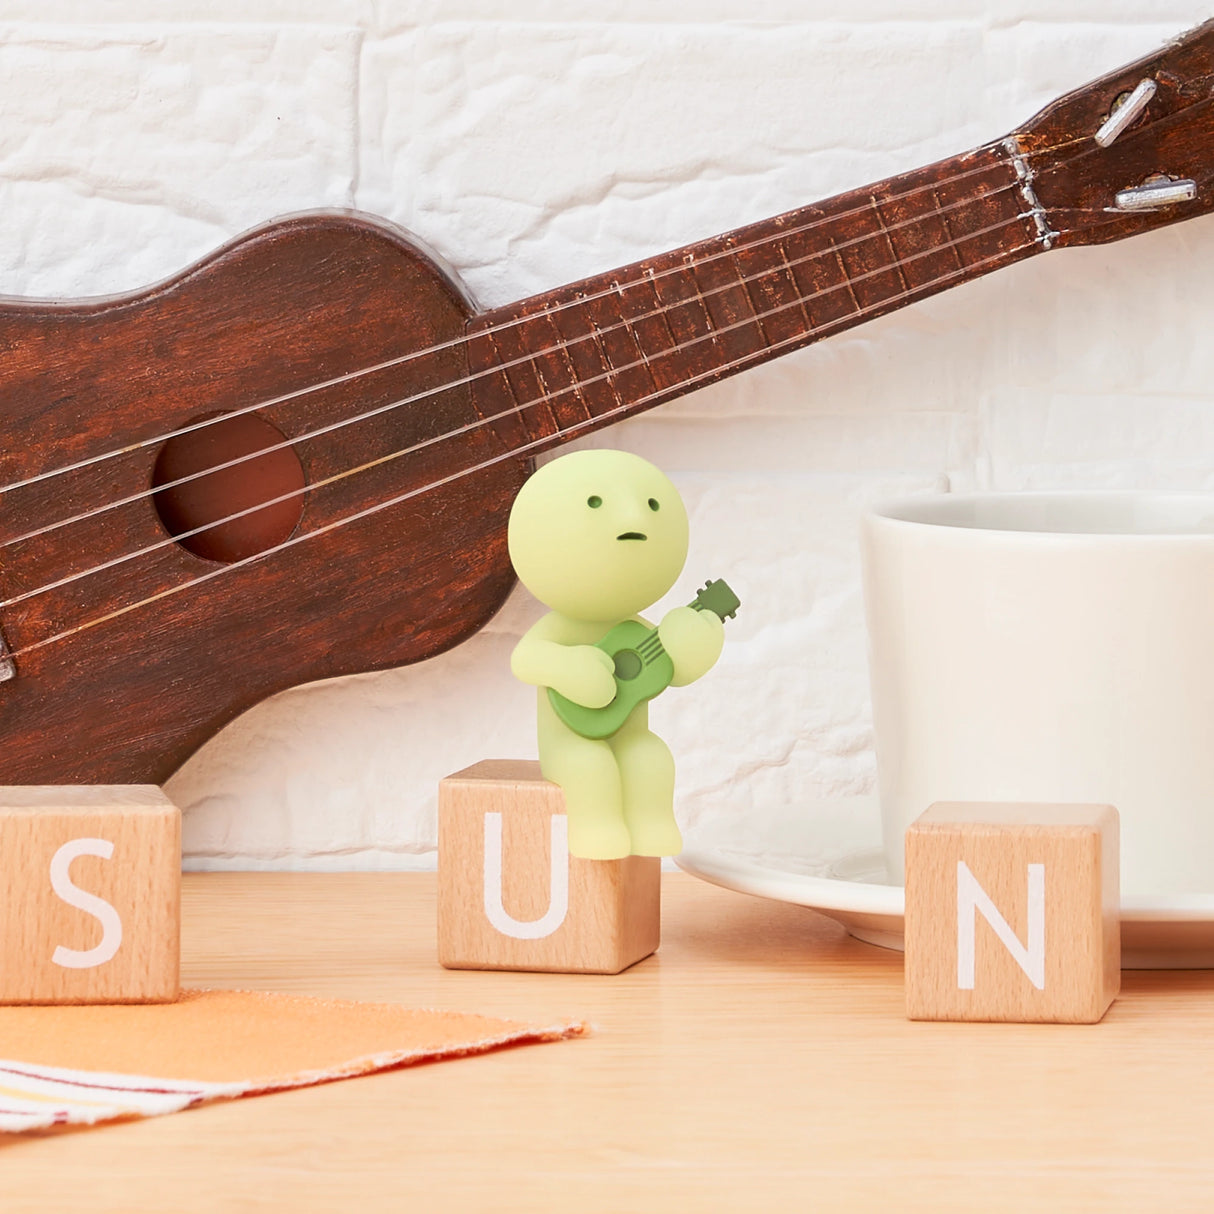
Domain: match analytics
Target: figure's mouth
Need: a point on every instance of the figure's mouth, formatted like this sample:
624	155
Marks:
631	535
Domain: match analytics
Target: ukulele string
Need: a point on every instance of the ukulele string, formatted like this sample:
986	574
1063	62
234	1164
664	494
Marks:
535	445
552	310
545	398
501	367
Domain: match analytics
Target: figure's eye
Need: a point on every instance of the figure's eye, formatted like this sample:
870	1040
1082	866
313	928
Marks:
594	501
653	504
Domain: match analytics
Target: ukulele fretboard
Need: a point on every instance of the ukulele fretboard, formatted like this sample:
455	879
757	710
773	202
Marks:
593	352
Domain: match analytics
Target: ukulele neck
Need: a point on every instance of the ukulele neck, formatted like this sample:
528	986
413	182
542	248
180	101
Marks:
593	352
650	648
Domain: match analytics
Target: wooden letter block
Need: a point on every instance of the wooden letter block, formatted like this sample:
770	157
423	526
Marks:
91	896
510	896
1013	913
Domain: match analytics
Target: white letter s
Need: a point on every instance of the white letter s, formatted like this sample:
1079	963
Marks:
99	908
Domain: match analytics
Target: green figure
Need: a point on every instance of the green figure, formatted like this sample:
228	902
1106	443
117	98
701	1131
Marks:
598	536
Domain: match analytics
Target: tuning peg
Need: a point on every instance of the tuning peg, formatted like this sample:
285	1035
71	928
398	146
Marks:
1120	116
1161	192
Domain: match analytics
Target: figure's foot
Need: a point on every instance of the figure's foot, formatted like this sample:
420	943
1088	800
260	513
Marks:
656	836
601	839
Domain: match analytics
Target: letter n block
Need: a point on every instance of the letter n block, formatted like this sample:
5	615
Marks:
511	897
1013	913
90	904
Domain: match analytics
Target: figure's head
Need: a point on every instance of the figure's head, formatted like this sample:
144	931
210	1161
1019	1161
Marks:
598	535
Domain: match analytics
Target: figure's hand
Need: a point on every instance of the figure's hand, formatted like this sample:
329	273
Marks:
693	639
581	673
585	675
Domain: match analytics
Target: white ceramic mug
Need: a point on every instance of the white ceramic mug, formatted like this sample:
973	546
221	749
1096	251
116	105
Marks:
1049	647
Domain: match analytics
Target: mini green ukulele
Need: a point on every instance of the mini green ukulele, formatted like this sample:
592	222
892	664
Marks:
642	667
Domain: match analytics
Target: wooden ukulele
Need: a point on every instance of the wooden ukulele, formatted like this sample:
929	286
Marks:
642	667
295	459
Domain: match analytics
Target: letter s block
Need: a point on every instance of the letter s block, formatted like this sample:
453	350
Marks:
1013	913
510	897
90	905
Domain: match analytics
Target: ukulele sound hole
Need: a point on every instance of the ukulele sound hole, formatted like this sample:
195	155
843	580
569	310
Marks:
206	501
627	665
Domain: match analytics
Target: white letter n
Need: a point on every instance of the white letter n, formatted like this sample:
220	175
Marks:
558	898
972	898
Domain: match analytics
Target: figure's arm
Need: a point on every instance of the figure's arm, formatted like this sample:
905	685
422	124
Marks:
581	673
694	640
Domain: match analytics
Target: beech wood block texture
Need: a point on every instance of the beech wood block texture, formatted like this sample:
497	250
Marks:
90	908
1013	912
510	897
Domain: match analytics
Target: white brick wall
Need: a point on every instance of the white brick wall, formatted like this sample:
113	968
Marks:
139	134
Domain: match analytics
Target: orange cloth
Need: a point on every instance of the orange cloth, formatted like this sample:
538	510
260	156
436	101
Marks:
73	1064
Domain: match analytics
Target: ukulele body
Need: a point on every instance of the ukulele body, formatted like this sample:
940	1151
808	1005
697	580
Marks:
397	549
298	303
639	676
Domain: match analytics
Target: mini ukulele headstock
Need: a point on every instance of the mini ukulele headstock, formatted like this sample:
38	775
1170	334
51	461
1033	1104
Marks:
1154	169
717	597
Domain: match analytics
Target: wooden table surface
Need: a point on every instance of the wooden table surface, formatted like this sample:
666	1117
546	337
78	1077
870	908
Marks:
760	1061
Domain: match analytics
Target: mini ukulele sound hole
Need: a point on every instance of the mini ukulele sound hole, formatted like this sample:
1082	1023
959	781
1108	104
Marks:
228	492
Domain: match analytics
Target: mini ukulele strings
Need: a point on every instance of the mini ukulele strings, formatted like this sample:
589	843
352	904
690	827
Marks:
438	348
515	453
495	369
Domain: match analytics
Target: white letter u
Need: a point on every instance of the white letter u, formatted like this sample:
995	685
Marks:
558	897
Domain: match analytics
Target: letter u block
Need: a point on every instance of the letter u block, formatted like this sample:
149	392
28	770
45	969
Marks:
1013	913
91	895
510	897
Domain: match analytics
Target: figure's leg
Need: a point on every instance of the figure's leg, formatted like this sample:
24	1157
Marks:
647	781
589	777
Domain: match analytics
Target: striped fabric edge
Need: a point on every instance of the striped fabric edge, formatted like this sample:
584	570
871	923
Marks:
37	1097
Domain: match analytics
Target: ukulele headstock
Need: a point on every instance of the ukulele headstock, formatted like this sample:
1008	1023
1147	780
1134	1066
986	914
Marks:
1131	151
717	597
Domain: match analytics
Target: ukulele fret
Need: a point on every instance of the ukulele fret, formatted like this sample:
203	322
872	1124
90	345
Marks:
686	315
739	333
773	292
631	377
889	244
649	325
527	387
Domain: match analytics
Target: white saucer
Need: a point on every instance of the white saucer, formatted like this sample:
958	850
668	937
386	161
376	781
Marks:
844	877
